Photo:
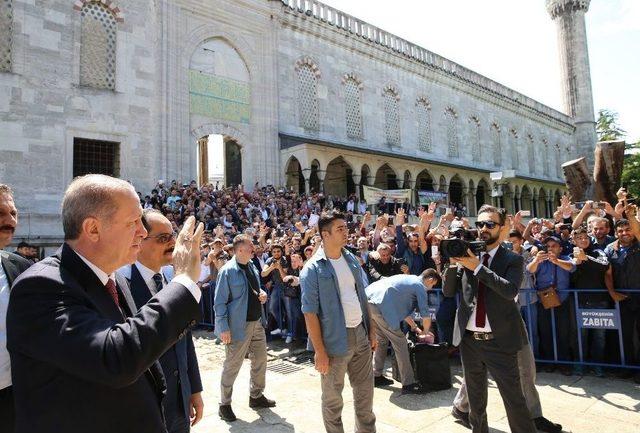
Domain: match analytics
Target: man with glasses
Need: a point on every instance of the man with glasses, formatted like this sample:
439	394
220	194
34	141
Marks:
489	330
183	405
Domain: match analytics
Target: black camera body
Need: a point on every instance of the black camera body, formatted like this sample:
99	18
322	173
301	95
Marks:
458	247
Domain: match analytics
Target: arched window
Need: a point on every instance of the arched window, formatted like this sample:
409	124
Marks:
513	148
496	143
545	157
98	46
423	114
531	156
353	105
474	121
558	162
6	34
309	112
391	115
451	120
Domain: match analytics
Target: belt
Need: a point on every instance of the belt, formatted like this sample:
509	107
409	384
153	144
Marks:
481	336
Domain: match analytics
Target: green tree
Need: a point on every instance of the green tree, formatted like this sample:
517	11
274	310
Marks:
631	174
607	126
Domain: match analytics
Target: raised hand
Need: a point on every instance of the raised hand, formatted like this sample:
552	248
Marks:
186	253
400	217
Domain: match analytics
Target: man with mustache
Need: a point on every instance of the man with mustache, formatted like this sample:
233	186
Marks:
12	266
183	404
83	358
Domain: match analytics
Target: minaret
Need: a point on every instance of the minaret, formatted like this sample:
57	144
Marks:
576	76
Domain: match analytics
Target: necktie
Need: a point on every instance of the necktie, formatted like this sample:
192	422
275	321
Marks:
157	279
111	288
481	312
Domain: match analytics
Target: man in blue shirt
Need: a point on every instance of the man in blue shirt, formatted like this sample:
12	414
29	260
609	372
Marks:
553	269
240	325
391	301
334	304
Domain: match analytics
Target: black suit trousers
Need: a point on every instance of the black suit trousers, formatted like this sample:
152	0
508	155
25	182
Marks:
7	410
477	358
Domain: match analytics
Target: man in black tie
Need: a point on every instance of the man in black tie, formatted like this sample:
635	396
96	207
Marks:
83	358
183	402
489	328
12	265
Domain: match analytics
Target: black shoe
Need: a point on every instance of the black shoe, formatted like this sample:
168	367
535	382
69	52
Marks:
414	388
226	413
545	425
262	401
636	378
382	381
463	417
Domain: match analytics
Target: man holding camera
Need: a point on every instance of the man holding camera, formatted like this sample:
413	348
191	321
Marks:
489	330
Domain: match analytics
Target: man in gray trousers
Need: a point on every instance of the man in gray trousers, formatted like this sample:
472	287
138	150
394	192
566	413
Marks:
239	324
393	300
335	310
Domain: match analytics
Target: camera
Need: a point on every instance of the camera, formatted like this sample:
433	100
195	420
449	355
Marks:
458	247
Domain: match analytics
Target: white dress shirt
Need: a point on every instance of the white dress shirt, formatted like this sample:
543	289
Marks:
147	275
5	362
471	324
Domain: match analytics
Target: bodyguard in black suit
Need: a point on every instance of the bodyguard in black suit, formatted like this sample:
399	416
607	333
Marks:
82	358
179	363
489	329
11	265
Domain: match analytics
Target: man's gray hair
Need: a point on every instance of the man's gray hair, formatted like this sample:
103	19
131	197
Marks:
6	189
92	195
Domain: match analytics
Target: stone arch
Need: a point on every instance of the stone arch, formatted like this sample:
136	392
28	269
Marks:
483	191
294	177
315	176
526	199
556	199
407	180
338	177
424	181
386	177
110	5
543	210
457	190
234	151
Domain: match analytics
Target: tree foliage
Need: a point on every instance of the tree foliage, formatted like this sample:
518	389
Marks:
607	126
631	174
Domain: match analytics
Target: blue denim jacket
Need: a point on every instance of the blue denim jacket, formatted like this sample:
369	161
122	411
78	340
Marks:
398	297
321	296
231	299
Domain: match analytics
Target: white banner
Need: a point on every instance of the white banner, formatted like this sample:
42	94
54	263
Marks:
373	195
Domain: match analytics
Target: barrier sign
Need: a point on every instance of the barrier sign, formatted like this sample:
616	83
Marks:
598	319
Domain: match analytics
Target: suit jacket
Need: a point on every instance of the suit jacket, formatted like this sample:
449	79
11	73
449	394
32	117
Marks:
77	364
180	359
502	280
13	265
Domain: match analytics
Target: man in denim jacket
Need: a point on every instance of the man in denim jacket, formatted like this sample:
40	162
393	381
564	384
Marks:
335	310
240	325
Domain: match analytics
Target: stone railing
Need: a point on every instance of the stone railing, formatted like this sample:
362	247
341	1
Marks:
375	35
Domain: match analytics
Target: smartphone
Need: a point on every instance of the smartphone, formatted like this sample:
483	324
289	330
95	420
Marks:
434	250
525	213
598	205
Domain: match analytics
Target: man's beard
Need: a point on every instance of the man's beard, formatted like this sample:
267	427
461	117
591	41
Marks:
488	238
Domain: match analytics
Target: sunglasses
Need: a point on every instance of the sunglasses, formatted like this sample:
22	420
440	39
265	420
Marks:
163	238
488	224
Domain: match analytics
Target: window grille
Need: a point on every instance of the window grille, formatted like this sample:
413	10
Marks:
98	47
308	97
6	34
391	117
95	157
423	112
353	108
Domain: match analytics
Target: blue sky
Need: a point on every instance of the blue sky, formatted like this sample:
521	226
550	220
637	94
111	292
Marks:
514	42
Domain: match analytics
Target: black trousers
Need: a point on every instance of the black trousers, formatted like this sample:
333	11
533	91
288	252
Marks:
174	409
7	410
478	357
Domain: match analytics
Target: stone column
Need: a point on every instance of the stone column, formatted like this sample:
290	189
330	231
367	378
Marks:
321	176
356	181
473	209
517	201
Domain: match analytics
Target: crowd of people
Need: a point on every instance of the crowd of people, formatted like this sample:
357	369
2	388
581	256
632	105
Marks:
260	256
589	248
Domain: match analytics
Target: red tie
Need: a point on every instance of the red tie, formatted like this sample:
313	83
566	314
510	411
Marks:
481	312
113	292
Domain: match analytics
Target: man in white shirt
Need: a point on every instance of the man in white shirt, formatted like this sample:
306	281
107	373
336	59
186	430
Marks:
489	329
12	265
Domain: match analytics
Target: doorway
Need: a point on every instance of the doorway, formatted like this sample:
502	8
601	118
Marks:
219	161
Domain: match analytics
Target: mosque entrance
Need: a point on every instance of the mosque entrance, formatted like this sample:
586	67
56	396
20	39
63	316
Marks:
219	161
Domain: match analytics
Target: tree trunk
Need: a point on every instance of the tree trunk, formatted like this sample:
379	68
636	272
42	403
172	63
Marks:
607	172
578	179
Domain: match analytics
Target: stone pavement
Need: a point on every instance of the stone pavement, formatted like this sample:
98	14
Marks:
581	404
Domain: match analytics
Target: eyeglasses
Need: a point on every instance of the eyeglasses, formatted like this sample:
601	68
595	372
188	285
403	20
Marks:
488	224
163	238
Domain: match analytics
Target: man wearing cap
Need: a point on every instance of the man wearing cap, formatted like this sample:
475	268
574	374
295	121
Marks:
551	268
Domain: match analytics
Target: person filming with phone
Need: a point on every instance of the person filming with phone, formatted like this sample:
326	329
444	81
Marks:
489	328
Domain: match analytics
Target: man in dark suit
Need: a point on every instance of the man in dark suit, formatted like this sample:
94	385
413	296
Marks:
11	265
489	328
179	363
82	358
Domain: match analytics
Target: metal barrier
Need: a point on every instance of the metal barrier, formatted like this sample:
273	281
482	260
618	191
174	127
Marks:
585	318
